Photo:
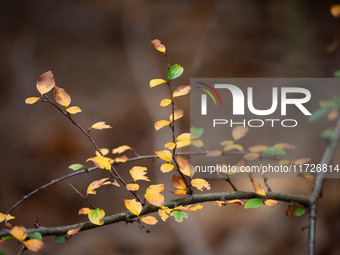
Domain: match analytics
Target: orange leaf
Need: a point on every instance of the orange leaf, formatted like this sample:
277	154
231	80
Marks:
257	148
179	192
96	184
178	182
161	123
6	217
165	155
167	167
195	208
284	146
181	91
121	149
302	161
270	202
133	206
214	153
153	194
165	102
121	159
100	125
184	165
219	203
238	132
233	147
251	156
257	187
178	114
332	115
74	231
158	46
19	233
84	211
33	244
101	162
235	202
31	100
200	184
335	10
73	109
45	82
227	143
138	173
288	211
61	97
132	187
149	220
169	146
155	82
104	151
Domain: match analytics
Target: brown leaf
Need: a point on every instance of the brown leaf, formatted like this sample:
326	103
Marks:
235	202
184	165
61	97
214	153
251	156
257	187
45	82
271	202
284	146
158	46
74	231
181	91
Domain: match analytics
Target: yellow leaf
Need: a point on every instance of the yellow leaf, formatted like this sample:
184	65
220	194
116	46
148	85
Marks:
19	233
235	202
84	211
186	137
100	125
153	196
301	161
138	173
214	153
33	244
73	109
167	167
239	132
179	192
74	231
149	220
233	147
178	182
335	10
184	165
219	203
6	217
197	143
178	114
104	151
165	155
165	102
161	123
332	115
169	146
251	156
195	208
182	144
181	91
270	202
284	162
133	206
101	162
132	187
95	185
200	184
257	187
31	100
284	146
121	159
163	212
121	149
227	143
96	215
158	46
45	82
257	148
115	183
155	82
61	97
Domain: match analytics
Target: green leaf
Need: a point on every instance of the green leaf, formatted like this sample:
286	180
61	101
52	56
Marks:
253	203
175	72
179	215
96	215
328	133
7	238
327	103
1	253
274	151
60	239
336	73
299	211
197	131
75	167
35	235
318	114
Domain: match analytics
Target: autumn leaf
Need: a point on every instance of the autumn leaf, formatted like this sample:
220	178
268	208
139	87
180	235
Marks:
45	82
19	233
301	161
284	162
335	10
178	114
178	182
61	97
184	165
100	125
179	215
101	162
239	132
167	167
153	194
195	208
121	149
214	153
219	203
31	100
227	143
74	231
6	217
170	146
284	146
165	102
138	173
96	184
179	192
121	159
96	215
181	144
235	202
257	187
257	148
73	109
200	184
233	147
33	244
332	115
197	143
161	123
163	212
84	211
165	155
103	151
270	202
181	91
133	206
149	220
132	187
158	46
155	82
186	137
251	156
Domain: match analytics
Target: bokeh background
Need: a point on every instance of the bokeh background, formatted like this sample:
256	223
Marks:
100	53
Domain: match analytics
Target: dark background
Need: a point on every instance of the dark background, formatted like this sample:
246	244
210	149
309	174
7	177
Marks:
100	53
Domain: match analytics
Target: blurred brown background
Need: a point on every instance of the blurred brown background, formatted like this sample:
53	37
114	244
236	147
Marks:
100	53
